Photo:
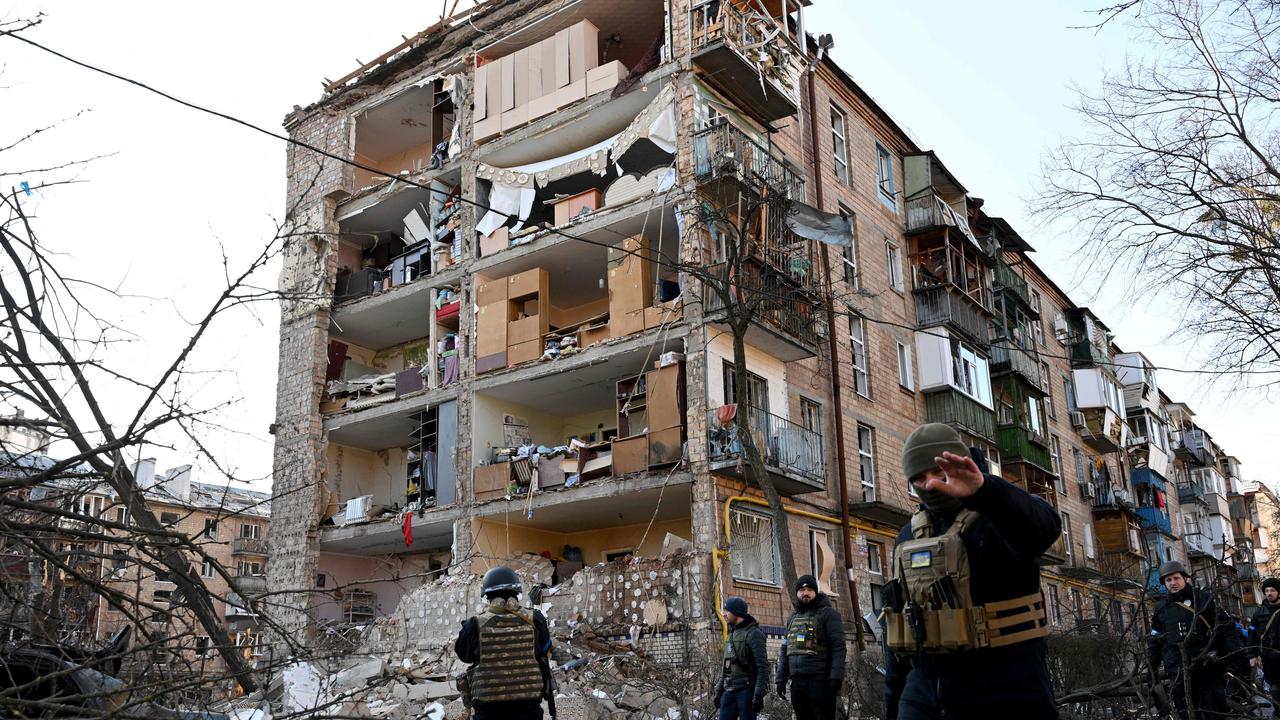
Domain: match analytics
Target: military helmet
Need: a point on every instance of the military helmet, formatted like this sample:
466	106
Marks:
1171	567
501	579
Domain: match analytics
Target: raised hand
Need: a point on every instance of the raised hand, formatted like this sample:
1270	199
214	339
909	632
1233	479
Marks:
960	478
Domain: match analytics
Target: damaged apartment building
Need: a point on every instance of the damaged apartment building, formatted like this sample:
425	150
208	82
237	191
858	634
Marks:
497	347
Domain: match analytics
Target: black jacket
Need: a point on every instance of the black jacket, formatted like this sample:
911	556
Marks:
1003	545
752	668
1264	639
831	636
1191	617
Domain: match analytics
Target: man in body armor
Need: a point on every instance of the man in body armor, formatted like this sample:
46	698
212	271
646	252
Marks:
508	650
812	654
1188	620
964	618
1265	637
740	691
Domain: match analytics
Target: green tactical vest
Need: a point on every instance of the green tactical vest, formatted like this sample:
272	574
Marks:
803	635
508	667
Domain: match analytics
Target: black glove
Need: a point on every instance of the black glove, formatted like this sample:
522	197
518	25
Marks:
781	687
833	686
719	697
757	703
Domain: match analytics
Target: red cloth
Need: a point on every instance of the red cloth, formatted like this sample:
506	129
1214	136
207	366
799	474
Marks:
1160	499
726	413
408	529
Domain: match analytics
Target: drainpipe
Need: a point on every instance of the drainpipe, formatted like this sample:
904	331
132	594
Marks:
836	401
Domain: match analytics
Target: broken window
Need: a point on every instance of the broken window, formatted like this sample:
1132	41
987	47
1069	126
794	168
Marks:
168	519
893	255
906	373
753	556
884	176
210	528
839	144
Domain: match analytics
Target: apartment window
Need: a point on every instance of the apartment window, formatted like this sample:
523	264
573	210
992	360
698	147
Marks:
1035	422
210	528
1077	605
906	373
202	643
206	569
168	519
161	596
811	415
884	176
1097	607
875	573
1055	611
1077	457
1055	461
1088	541
840	144
122	516
321	580
1069	392
893	255
1048	389
972	375
1066	535
849	255
164	576
1037	327
867	462
757	395
119	559
248	567
858	339
250	531
753	547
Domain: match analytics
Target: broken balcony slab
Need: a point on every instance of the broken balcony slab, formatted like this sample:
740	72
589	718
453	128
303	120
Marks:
596	504
392	317
432	531
385	425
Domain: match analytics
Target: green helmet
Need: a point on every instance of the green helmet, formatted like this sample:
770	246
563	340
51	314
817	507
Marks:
1171	567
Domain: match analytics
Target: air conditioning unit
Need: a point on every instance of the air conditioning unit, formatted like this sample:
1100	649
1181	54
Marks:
1086	491
1077	419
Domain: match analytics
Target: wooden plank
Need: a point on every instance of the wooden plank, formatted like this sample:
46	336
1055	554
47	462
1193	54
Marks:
481	94
562	58
508	69
534	78
520	76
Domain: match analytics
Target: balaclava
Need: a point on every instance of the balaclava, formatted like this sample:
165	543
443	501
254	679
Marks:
923	445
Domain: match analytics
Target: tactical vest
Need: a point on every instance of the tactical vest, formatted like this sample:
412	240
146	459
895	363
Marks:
933	575
804	636
508	667
739	666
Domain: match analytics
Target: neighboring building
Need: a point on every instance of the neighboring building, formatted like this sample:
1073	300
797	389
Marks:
423	341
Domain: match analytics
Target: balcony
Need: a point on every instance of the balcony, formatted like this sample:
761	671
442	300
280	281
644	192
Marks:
1191	492
943	305
1155	519
1007	357
1008	280
928	211
1189	445
252	584
793	455
248	546
745	55
1017	444
723	152
1086	352
1103	429
785	320
961	412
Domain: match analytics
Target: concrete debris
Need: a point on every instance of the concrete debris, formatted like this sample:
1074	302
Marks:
360	674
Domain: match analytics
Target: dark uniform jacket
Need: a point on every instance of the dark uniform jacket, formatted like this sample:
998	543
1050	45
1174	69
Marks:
748	665
467	647
829	662
1003	545
1265	637
1191	617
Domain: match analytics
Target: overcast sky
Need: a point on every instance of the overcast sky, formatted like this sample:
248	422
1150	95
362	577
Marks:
986	85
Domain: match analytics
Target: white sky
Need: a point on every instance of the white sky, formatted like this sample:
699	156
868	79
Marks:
987	85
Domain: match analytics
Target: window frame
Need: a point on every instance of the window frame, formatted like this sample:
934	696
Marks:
810	408
1066	536
849	255
770	541
893	258
867	463
884	175
906	366
858	344
840	144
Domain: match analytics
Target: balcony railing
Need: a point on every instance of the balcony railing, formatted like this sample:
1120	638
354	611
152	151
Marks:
1007	357
788	449
744	53
940	304
248	546
776	303
1190	492
1189	445
252	584
1009	281
961	412
1018	444
928	210
725	152
1086	352
1156	519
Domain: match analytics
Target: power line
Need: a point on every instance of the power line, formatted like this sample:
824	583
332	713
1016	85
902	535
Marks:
853	312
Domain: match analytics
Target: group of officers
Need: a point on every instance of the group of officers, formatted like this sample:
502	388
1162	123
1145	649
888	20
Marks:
964	620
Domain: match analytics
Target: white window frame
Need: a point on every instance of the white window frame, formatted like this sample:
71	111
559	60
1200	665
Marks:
255	531
884	177
858	343
1090	551
849	255
840	144
906	368
893	256
867	462
206	569
1066	535
1037	327
763	544
1055	459
972	373
1048	391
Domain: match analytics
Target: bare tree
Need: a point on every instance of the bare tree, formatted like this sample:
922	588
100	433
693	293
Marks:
1177	182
